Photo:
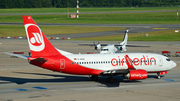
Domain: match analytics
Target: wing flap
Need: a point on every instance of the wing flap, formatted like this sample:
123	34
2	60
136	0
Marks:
118	71
121	71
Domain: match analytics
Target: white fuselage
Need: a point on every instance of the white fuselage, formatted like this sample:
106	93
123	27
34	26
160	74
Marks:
109	49
147	61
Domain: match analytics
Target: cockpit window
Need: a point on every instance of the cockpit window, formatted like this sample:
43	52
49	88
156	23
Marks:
168	59
104	49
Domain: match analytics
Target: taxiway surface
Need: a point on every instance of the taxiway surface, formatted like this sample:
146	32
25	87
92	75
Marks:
20	81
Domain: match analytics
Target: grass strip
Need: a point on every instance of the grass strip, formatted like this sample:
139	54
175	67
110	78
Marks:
9	30
126	18
166	35
73	10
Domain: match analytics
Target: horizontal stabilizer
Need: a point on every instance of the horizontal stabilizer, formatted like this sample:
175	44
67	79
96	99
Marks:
37	61
17	55
41	60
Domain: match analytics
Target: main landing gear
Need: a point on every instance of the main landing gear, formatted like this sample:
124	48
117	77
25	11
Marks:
96	78
110	79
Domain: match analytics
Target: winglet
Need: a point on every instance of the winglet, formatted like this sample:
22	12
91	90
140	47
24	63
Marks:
129	63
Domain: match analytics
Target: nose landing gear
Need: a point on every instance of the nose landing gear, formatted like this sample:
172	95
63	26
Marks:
158	76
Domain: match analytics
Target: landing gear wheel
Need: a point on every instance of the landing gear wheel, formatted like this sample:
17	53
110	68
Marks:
158	76
94	78
110	80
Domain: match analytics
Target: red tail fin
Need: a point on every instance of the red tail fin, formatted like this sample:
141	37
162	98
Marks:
38	43
129	62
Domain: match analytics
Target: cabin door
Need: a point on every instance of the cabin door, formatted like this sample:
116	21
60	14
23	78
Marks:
62	64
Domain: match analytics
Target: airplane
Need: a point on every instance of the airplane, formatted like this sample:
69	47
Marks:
112	48
133	66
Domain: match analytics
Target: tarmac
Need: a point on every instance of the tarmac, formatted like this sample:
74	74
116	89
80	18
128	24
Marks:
20	81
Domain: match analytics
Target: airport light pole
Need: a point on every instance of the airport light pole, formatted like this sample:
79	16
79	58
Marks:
77	9
177	14
68	10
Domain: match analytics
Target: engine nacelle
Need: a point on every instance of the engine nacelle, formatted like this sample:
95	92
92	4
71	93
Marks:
122	48
136	74
98	46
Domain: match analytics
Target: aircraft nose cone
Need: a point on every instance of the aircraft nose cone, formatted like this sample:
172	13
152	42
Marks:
173	64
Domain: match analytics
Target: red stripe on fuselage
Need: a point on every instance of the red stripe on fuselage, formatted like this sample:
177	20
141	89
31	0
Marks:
53	63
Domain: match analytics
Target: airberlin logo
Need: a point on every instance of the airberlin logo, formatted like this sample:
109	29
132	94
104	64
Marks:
35	37
36	40
145	60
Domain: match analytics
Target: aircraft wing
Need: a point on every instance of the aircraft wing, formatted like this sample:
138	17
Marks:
18	55
114	45
136	46
118	71
91	44
132	46
121	71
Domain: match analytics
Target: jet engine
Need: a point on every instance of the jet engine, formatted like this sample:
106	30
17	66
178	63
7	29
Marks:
136	74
